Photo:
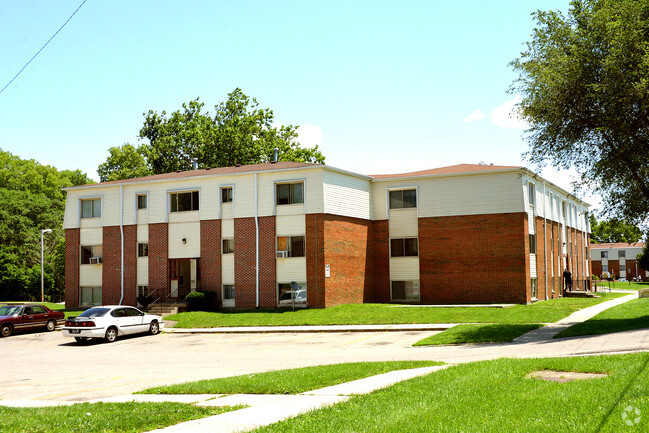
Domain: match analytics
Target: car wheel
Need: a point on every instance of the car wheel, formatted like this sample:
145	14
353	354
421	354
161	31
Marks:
5	330
81	339
111	334
51	325
154	328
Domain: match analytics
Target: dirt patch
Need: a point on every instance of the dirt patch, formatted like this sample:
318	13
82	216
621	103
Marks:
563	376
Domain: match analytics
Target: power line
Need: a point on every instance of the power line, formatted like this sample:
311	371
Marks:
43	47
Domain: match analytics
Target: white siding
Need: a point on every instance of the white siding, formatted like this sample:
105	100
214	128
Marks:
88	223
227	268
71	215
226	211
294	225
189	231
183	217
533	265
404	268
142	216
291	269
90	275
142	271
110	206
143	233
91	236
346	195
290	209
313	191
403	223
227	229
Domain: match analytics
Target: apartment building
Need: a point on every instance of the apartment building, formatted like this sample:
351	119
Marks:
286	233
618	259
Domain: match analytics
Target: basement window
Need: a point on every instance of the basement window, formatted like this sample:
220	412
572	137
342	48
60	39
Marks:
405	291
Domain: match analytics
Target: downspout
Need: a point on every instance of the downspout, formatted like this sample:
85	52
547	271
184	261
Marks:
257	247
121	232
545	242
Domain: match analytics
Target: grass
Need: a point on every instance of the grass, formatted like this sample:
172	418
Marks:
50	305
496	396
630	315
293	381
102	417
354	314
628	285
472	334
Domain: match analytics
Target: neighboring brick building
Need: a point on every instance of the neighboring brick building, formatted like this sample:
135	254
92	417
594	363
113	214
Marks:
459	234
618	259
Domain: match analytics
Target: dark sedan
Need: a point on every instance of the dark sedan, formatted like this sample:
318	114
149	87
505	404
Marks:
16	317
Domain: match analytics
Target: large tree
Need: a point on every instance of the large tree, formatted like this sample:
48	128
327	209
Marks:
584	82
613	230
239	132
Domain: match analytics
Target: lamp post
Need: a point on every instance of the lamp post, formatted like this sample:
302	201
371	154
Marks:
42	278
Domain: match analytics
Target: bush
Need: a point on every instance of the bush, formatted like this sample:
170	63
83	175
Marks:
200	301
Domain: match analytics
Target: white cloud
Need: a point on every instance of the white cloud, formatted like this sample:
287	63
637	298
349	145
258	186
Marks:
309	135
476	115
506	115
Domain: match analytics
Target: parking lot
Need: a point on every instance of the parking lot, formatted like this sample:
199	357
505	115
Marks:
48	366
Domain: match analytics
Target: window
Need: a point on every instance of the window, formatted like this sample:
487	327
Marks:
143	250
402	199
405	291
290	193
91	208
290	246
605	268
141	201
184	201
534	288
90	296
531	195
532	244
604	254
91	254
406	247
621	254
226	195
228	246
622	267
228	291
291	294
38	309
142	291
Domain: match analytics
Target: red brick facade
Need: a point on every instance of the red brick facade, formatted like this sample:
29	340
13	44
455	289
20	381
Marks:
381	242
210	262
72	261
315	260
159	258
474	259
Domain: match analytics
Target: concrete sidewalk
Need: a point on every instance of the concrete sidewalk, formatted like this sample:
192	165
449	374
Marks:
550	330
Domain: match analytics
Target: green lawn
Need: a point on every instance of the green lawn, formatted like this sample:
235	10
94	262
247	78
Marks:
102	417
293	381
622	285
496	396
472	334
630	315
353	314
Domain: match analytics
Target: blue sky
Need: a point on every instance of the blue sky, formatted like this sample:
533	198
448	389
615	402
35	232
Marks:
382	87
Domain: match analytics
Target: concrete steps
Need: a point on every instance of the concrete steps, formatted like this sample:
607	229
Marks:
579	294
166	309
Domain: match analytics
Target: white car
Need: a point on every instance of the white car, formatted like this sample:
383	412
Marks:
110	321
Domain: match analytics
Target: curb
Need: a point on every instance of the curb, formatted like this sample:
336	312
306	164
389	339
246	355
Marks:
305	329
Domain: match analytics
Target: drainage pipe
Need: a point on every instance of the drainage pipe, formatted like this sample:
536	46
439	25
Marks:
121	232
256	247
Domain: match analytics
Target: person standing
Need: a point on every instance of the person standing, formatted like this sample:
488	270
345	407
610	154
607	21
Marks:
567	279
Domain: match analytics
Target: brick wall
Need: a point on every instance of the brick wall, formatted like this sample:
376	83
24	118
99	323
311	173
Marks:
348	251
72	251
542	246
474	259
245	262
267	261
210	261
159	258
596	267
130	265
381	242
112	265
315	260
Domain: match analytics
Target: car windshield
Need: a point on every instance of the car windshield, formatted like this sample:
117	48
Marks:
94	312
9	310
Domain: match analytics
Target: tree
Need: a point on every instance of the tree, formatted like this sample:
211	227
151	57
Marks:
613	230
238	133
584	82
643	259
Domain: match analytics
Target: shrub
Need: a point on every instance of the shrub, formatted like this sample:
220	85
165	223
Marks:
200	301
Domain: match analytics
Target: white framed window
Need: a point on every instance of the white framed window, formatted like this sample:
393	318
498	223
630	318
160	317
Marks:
91	208
228	292
290	246
142	201
143	250
142	291
291	294
289	193
405	291
228	246
89	296
226	194
531	191
404	247
184	201
533	244
403	198
621	254
604	254
91	254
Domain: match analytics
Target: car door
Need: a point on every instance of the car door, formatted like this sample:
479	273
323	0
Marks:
40	316
29	319
138	320
122	321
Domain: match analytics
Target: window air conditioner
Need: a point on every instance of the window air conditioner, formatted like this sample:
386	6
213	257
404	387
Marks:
281	254
95	260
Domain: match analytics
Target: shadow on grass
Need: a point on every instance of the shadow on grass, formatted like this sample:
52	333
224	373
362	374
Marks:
597	326
472	334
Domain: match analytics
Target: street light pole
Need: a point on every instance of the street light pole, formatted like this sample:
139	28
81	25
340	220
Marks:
42	278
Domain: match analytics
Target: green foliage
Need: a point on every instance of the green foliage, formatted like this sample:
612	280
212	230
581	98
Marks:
643	258
291	381
200	301
238	133
584	81
630	315
31	199
613	230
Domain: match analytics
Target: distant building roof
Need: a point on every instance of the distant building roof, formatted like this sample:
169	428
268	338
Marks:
618	245
451	169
